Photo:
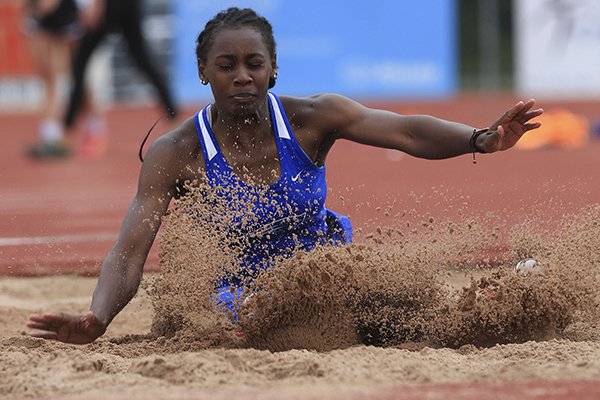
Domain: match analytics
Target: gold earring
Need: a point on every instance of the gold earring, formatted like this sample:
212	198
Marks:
203	81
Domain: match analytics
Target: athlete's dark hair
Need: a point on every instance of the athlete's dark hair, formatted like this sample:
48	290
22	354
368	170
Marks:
233	18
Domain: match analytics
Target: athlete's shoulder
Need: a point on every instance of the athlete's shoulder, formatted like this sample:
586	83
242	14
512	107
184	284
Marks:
313	101
180	140
319	106
321	102
174	157
175	149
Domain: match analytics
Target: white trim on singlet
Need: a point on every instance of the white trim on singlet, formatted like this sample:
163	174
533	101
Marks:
211	149
281	126
209	115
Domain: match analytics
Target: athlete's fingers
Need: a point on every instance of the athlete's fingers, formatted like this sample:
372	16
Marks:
51	321
39	326
532	125
527	105
47	320
38	322
37	318
508	115
532	114
44	335
45	317
59	318
514	111
522	109
527	113
501	133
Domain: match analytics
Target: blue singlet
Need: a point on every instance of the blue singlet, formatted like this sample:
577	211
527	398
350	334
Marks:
292	217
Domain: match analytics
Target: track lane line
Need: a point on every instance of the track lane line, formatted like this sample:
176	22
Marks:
76	238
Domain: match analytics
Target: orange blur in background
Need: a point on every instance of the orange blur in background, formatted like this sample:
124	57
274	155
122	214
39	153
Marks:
560	128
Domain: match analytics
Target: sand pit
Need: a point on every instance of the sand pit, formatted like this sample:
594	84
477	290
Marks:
136	370
454	330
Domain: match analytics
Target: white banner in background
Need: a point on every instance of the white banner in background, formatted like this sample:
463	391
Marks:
557	45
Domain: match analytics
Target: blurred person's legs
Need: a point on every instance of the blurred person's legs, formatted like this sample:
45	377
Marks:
94	142
129	19
51	55
123	16
87	45
51	25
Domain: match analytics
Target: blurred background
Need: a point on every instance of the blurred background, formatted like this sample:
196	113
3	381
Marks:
384	49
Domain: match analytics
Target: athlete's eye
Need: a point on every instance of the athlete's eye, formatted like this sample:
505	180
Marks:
225	67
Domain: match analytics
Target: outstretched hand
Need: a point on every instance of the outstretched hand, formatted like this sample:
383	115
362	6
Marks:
65	327
508	129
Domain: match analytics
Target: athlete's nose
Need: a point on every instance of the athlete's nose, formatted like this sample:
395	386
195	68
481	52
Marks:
242	78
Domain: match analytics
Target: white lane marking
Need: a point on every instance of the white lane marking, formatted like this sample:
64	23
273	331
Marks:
80	238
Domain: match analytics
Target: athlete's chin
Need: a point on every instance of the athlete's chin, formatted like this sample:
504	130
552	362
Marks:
244	109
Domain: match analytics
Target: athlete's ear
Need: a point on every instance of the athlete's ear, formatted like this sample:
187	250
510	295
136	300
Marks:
274	63
274	73
202	73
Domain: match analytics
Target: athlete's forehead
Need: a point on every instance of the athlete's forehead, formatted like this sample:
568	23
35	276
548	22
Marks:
238	42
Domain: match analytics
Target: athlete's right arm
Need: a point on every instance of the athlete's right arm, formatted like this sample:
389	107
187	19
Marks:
121	270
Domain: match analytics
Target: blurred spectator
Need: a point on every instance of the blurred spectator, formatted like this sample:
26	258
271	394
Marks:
100	17
52	27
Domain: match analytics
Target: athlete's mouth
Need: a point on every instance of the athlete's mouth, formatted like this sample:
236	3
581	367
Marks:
243	96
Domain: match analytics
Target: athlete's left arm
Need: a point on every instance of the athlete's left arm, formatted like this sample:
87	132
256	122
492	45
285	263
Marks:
419	135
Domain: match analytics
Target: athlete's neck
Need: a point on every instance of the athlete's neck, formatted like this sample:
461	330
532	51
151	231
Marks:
251	126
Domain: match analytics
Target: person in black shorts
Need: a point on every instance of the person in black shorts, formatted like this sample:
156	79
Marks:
100	17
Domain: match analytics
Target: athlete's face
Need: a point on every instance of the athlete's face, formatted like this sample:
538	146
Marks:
238	67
